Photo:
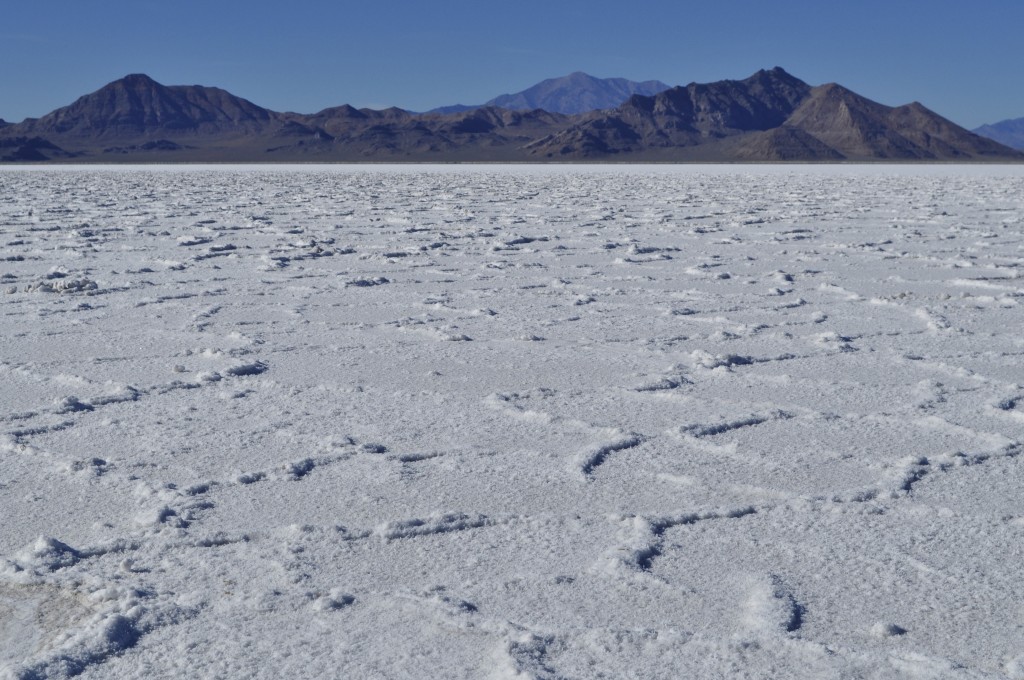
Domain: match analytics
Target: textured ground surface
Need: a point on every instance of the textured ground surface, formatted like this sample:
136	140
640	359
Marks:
512	422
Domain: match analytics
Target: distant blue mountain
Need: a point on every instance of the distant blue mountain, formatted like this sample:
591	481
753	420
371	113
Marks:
455	108
571	94
1008	132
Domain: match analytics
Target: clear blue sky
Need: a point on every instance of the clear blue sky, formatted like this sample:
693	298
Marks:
964	60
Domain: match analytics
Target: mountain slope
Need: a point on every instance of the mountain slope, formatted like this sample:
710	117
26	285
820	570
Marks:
1008	132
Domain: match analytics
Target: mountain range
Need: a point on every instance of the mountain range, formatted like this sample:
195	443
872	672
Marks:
770	116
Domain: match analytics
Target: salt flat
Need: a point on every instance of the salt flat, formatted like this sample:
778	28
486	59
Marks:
513	422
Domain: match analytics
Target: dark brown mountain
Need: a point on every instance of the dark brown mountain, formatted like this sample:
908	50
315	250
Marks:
770	116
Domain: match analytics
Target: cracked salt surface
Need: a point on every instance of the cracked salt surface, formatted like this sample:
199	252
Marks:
511	422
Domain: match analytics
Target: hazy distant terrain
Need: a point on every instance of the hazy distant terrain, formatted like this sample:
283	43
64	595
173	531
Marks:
770	116
575	93
1008	132
511	422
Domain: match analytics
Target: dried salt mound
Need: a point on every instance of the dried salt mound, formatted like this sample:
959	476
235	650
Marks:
62	286
367	282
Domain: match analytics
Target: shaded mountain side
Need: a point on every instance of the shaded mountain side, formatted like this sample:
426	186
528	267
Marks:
34	149
761	102
1007	132
155	145
770	116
